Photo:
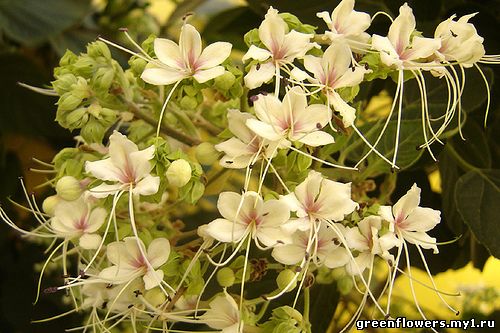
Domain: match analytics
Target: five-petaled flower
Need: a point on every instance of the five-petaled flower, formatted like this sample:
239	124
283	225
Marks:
126	168
186	59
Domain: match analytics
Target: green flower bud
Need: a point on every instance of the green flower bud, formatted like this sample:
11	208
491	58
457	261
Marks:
225	277
68	102
76	118
137	65
103	78
155	297
338	273
68	188
285	277
84	65
225	81
179	173
68	58
206	153
190	91
98	49
63	83
49	204
95	110
188	103
81	88
93	131
344	285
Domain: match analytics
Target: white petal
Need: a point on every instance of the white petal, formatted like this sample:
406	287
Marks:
288	254
316	139
264	130
272	236
326	17
274	213
147	186
297	44
351	78
205	75
388	54
96	219
140	162
337	258
347	112
168	52
103	169
401	28
300	75
158	252
385	213
214	54
233	147
256	53
162	76
116	253
103	190
190	44
259	74
237	124
337	58
272	30
422	48
152	279
407	203
422	239
355	240
90	241
421	219
226	231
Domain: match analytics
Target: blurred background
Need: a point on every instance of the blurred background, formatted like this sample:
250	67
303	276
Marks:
33	36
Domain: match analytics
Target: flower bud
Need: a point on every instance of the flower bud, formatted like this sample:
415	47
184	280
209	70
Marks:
93	131
84	65
179	173
49	204
95	110
286	277
206	153
137	65
155	297
68	58
68	101
225	81
188	103
63	83
76	118
225	277
98	49
103	78
344	285
68	188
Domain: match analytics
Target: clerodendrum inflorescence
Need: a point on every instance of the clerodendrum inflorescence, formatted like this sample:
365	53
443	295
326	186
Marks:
124	228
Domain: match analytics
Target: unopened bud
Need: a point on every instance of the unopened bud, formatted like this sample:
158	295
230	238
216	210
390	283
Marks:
68	101
188	103
344	285
137	65
76	118
68	188
155	297
225	277
286	277
225	81
49	204
98	49
206	153
179	173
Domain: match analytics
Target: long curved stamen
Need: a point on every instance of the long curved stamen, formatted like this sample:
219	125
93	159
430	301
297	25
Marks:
164	107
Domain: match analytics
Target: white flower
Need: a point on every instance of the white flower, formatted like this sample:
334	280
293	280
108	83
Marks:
128	262
248	214
399	49
348	25
126	167
77	219
240	150
411	222
325	249
318	198
177	62
282	47
459	41
333	71
291	120
366	239
223	314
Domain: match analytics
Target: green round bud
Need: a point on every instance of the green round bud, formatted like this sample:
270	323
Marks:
206	154
98	49
179	173
63	83
338	273
68	188
155	297
76	118
103	79
49	204
68	101
345	284
188	103
225	277
93	131
137	65
285	277
225	81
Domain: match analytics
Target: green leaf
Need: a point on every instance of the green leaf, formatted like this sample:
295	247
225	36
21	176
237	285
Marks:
477	195
31	22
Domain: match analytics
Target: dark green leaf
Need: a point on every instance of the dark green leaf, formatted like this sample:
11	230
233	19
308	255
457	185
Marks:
31	22
477	195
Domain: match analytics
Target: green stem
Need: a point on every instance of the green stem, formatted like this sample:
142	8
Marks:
307	304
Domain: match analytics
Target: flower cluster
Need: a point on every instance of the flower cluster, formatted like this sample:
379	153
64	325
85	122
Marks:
134	219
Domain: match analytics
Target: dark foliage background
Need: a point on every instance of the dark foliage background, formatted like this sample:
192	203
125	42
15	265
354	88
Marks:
34	34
